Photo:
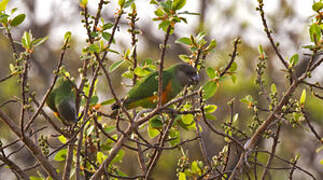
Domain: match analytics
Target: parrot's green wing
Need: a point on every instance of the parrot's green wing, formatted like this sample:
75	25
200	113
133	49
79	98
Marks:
143	93
62	100
50	101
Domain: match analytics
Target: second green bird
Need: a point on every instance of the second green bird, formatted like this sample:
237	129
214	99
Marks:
175	79
62	101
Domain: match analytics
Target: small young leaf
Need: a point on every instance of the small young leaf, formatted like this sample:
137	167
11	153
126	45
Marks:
209	89
184	40
315	32
60	155
67	36
188	119
18	20
273	88
3	5
210	108
152	132
178	4
94	100
293	60
303	98
107	26
100	157
121	3
212	45
159	12
62	139
26	40
4	18
39	41
181	176
233	67
184	58
115	65
211	72
94	48
118	157
317	6
156	122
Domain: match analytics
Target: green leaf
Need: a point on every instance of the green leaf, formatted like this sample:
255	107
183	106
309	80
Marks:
107	26
107	36
119	156
195	168
210	72
159	12
62	139
210	108
141	72
115	65
233	67
94	48
121	3
209	89
83	2
210	117
178	4
60	155
156	122
164	25
315	33
184	58
166	5
39	41
317	6
273	88
128	74
128	3
303	98
321	162
4	18
181	176
187	119
26	40
100	156
152	132
67	36
212	45
3	5
293	60
174	134
260	49
108	102
184	40
18	20
94	100
248	100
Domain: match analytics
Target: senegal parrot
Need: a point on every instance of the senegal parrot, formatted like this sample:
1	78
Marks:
174	79
62	101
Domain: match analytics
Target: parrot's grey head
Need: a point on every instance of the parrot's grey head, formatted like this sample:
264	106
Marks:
186	74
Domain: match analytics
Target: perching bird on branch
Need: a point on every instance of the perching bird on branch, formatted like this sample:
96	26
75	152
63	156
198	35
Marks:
144	93
62	101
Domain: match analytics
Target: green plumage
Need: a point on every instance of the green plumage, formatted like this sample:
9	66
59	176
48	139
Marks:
62	101
144	93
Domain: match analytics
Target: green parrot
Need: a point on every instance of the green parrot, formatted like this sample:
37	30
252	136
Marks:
61	100
174	79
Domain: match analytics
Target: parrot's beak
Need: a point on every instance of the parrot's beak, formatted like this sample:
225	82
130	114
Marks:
195	79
